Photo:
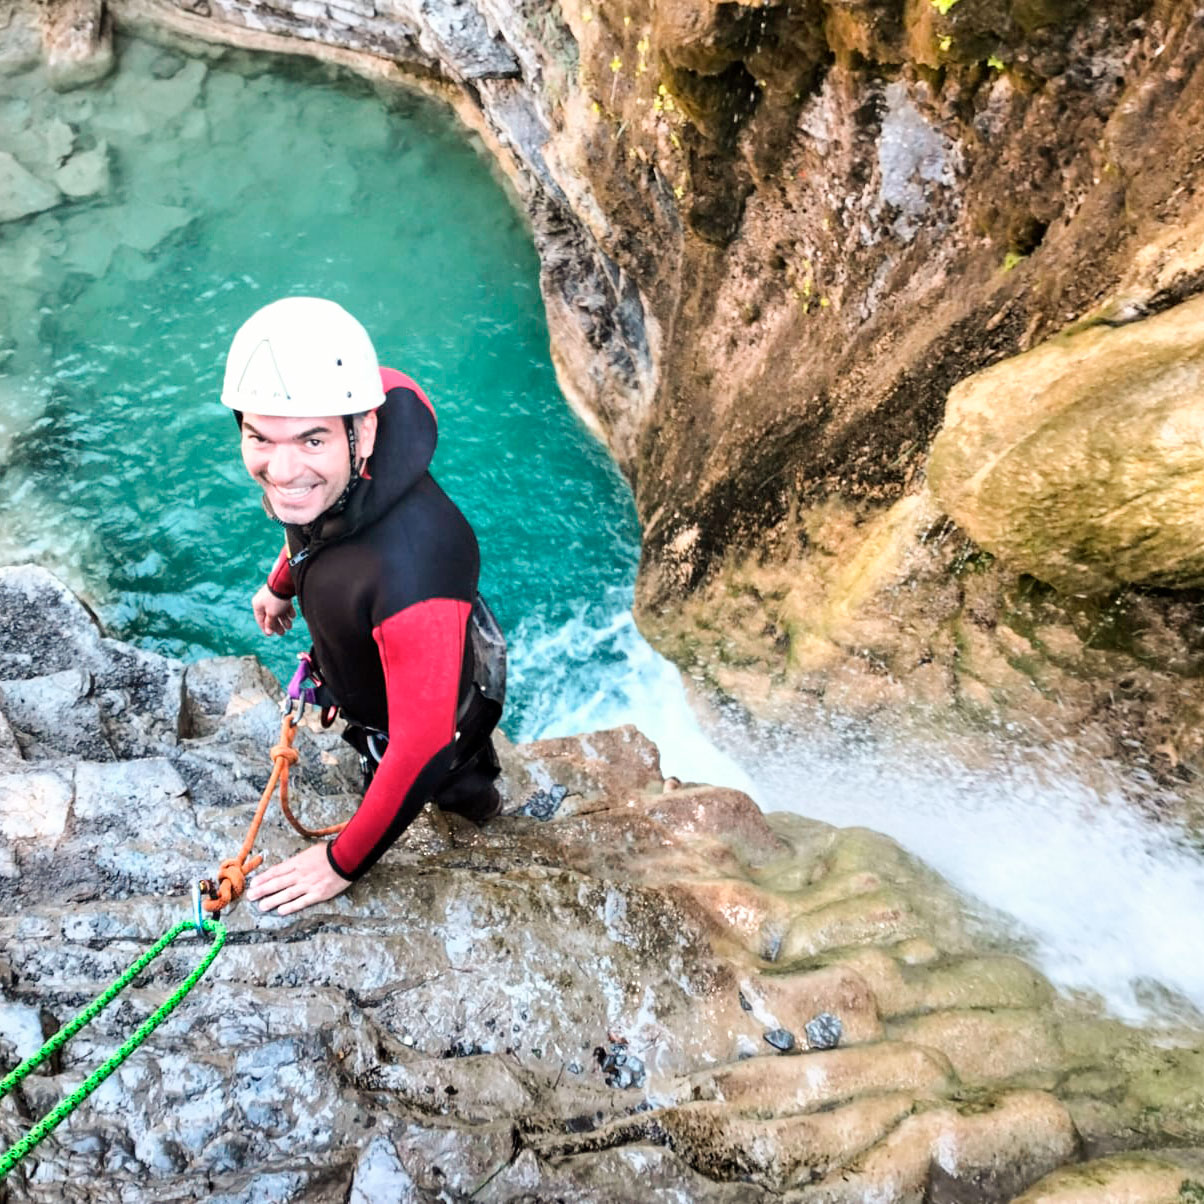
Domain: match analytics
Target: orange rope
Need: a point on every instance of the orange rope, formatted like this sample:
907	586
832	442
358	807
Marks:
232	873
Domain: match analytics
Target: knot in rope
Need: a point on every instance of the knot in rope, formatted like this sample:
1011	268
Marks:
286	751
232	879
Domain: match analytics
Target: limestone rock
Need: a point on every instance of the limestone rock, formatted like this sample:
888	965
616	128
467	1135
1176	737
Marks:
57	711
143	225
1137	1178
437	1028
1082	461
34	805
21	192
20	43
79	44
988	1044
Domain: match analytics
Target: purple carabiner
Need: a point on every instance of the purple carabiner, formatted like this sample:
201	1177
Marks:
298	691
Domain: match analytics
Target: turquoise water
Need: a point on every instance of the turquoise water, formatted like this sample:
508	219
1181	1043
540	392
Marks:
265	184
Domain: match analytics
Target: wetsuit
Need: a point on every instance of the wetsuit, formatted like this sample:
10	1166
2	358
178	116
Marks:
386	586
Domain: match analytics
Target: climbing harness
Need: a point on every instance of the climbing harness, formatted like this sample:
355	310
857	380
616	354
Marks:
64	1109
232	873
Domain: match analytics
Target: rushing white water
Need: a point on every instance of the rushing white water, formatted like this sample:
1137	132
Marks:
596	671
1103	898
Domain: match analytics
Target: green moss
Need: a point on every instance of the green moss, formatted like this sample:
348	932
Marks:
943	6
1189	1189
971	560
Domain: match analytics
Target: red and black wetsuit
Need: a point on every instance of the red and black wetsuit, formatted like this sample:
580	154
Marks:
386	586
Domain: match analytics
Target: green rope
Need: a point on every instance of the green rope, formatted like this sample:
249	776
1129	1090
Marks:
64	1109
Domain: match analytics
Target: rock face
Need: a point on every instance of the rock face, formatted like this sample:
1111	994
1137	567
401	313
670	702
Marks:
538	1009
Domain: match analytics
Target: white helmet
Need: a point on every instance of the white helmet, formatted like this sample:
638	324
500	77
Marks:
302	357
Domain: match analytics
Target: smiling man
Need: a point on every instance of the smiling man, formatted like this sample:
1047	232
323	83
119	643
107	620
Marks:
385	569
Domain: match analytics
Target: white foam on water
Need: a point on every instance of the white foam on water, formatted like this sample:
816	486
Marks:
595	672
1101	896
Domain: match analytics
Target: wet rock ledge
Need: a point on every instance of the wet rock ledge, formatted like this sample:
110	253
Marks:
613	980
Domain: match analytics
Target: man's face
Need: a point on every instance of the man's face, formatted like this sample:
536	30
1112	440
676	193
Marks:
302	463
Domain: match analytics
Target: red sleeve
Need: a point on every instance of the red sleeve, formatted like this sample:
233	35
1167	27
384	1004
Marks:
390	378
422	653
280	579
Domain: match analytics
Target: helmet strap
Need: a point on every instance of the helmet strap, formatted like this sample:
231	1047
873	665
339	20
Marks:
354	479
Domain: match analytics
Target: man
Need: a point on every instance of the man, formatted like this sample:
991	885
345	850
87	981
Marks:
385	569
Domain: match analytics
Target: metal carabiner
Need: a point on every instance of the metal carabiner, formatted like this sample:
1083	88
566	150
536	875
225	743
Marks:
198	910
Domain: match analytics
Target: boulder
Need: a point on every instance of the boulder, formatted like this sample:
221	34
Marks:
1136	1178
85	174
1081	462
78	44
20	43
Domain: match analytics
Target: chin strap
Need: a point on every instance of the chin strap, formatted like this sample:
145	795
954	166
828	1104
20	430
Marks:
352	481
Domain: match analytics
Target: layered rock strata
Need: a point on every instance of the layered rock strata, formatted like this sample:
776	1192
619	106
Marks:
543	1008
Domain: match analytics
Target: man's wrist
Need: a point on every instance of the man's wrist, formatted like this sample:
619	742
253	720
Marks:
334	865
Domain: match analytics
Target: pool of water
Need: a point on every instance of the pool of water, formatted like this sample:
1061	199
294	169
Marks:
230	185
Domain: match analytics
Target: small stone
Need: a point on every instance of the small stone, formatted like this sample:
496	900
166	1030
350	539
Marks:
744	1004
85	174
635	1067
543	804
780	1038
824	1031
620	1068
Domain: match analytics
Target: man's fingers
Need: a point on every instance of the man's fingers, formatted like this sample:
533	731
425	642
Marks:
286	895
299	904
267	880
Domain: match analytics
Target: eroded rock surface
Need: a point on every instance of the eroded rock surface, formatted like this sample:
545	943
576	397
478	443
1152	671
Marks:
543	1008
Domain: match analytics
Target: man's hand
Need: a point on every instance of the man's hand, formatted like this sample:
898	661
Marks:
297	883
274	615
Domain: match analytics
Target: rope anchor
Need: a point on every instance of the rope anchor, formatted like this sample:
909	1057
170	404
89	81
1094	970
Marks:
64	1109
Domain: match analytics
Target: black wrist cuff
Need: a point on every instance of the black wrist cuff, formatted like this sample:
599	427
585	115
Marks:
334	865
